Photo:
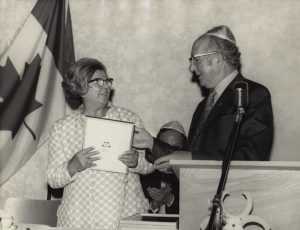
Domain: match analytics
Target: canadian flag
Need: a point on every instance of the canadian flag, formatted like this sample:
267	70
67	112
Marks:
31	70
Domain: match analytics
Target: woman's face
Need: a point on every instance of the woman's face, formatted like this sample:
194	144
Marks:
98	91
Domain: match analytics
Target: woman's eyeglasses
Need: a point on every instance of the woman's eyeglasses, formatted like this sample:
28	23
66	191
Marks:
101	81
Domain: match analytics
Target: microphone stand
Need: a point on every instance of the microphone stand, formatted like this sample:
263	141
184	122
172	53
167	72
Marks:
215	221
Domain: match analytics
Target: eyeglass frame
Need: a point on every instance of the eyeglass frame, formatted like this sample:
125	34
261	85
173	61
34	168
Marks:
109	81
193	57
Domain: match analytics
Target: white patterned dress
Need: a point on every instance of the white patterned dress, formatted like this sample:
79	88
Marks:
93	198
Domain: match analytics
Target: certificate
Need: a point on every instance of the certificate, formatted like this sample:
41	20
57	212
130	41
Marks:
111	138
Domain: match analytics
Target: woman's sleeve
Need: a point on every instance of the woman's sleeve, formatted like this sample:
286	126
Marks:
143	167
57	173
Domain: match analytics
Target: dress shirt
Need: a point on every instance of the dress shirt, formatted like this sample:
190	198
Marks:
221	86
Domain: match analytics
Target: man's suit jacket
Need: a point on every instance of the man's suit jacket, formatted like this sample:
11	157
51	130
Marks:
256	130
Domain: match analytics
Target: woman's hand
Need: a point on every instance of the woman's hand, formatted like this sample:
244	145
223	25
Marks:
82	160
130	158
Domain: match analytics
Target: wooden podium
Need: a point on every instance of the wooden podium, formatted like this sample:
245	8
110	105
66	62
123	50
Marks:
273	185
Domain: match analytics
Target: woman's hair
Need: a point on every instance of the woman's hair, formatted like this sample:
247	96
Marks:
75	80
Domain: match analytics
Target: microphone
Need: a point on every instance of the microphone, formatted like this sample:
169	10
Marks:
240	98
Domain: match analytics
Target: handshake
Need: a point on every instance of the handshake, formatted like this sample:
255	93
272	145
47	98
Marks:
142	139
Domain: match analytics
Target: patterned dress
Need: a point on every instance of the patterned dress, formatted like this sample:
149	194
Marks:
93	198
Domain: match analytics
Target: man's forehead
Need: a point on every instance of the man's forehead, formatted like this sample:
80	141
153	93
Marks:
200	45
171	133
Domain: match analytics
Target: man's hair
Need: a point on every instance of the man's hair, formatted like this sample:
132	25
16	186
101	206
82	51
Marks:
229	51
184	139
75	81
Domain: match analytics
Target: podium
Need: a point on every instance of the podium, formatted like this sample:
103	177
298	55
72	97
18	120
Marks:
273	185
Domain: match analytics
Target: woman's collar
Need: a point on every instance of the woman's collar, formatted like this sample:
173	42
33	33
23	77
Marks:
109	107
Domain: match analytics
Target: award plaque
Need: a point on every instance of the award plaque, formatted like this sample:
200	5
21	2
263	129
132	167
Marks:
111	138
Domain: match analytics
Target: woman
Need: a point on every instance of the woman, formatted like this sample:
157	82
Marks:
92	198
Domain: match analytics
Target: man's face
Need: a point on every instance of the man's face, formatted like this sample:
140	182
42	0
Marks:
204	66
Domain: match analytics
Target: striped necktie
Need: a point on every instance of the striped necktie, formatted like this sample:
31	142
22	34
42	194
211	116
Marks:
209	104
208	107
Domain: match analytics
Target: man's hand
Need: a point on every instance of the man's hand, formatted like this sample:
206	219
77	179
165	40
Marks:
142	139
163	163
130	158
155	205
161	195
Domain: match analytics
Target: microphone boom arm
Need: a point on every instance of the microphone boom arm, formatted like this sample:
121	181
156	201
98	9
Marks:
216	224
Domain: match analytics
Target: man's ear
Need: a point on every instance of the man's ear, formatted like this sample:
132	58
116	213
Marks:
219	60
213	60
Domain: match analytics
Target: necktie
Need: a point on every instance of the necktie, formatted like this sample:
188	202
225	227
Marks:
209	104
208	107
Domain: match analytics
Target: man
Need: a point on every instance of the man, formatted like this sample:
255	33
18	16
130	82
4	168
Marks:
215	60
162	188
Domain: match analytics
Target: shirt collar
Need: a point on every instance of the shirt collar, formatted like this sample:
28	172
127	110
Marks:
110	106
221	86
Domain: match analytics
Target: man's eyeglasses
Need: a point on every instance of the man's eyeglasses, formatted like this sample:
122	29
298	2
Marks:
101	81
193	57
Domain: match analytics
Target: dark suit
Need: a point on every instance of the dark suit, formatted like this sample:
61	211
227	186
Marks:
256	131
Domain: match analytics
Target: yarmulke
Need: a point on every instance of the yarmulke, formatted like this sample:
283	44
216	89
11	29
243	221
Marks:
222	32
174	125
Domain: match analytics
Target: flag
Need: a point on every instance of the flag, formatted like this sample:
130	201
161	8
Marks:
31	70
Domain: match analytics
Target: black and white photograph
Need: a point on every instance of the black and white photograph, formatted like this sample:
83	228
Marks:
201	100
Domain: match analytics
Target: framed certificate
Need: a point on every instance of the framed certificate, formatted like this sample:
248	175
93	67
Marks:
111	138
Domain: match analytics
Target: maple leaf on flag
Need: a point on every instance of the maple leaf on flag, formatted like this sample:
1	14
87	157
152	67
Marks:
18	94
31	96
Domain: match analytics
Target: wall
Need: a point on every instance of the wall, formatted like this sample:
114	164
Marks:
145	45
